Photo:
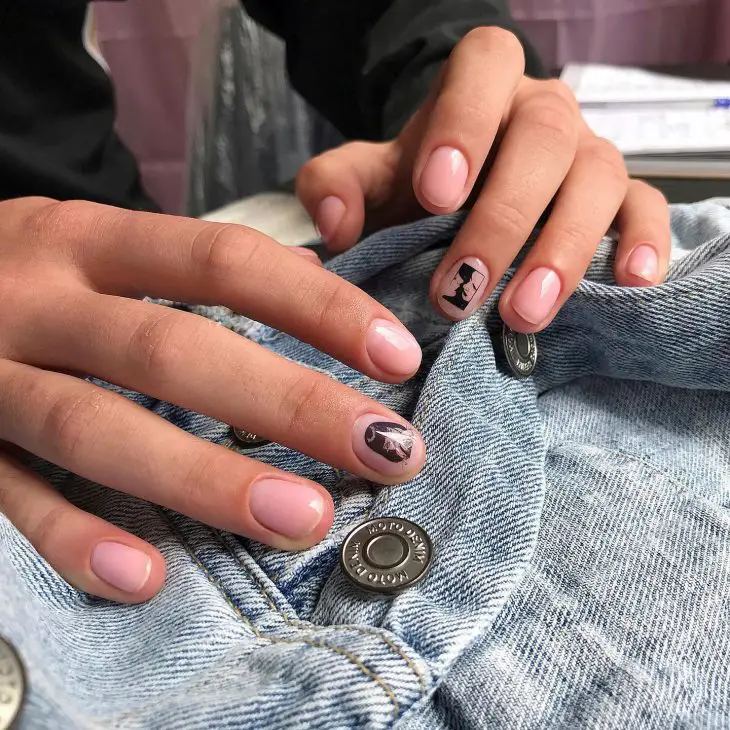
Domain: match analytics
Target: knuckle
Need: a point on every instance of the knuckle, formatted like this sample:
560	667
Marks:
156	347
577	237
308	395
331	303
557	88
49	532
71	424
504	219
57	220
651	195
552	120
208	469
492	39
219	251
604	155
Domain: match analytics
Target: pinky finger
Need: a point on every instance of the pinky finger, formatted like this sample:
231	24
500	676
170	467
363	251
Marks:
643	250
89	553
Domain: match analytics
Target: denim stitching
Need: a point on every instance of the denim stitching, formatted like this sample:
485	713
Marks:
278	639
296	623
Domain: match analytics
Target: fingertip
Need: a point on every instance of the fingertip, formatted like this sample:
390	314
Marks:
339	224
640	266
440	185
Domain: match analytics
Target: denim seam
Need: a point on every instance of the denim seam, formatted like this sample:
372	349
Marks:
307	626
354	660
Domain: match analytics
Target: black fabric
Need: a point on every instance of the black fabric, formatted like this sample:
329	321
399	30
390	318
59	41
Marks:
365	66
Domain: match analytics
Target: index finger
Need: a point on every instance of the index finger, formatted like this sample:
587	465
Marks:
192	261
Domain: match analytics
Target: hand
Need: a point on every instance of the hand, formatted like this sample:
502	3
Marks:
71	278
484	114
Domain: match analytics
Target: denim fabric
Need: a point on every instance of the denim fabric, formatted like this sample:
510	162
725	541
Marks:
582	541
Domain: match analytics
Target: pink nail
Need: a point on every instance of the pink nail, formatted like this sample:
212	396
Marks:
643	263
288	508
393	348
444	177
306	253
330	213
536	295
389	447
121	566
462	289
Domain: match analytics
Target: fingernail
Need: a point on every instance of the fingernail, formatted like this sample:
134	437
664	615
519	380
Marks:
388	447
444	177
306	253
330	213
536	295
121	566
462	289
392	348
288	508
644	263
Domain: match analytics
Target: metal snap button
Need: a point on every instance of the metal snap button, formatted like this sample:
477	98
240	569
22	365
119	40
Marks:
386	555
12	685
248	440
520	351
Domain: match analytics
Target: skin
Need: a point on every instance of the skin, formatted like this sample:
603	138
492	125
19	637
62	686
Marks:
537	149
73	275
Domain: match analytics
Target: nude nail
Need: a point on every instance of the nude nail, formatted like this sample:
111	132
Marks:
444	177
291	509
536	295
644	263
121	566
393	348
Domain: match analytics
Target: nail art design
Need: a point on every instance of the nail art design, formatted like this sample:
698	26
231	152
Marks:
391	440
463	286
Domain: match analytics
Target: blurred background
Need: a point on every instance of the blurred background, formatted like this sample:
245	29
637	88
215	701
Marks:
167	57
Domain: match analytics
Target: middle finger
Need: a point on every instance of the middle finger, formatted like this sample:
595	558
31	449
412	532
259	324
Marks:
535	155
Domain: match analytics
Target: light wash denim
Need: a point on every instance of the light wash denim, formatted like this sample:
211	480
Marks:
579	519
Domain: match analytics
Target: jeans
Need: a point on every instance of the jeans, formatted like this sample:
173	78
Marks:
579	520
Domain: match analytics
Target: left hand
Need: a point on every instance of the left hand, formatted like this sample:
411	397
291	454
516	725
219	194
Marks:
484	113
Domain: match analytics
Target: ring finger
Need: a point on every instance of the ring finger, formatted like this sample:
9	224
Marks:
584	210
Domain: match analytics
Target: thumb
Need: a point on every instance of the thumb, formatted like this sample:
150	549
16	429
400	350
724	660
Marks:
340	186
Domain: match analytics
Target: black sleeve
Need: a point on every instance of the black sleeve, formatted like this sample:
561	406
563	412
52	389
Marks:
367	66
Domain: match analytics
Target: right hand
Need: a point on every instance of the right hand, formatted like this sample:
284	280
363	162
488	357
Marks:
72	276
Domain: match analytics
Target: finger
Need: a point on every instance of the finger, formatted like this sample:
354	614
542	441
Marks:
584	209
179	259
307	253
104	437
481	76
86	551
643	250
336	187
536	153
147	348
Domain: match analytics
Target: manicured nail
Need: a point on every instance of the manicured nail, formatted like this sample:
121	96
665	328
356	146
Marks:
306	253
121	566
444	177
536	295
389	447
393	348
644	263
288	508
330	213
462	289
